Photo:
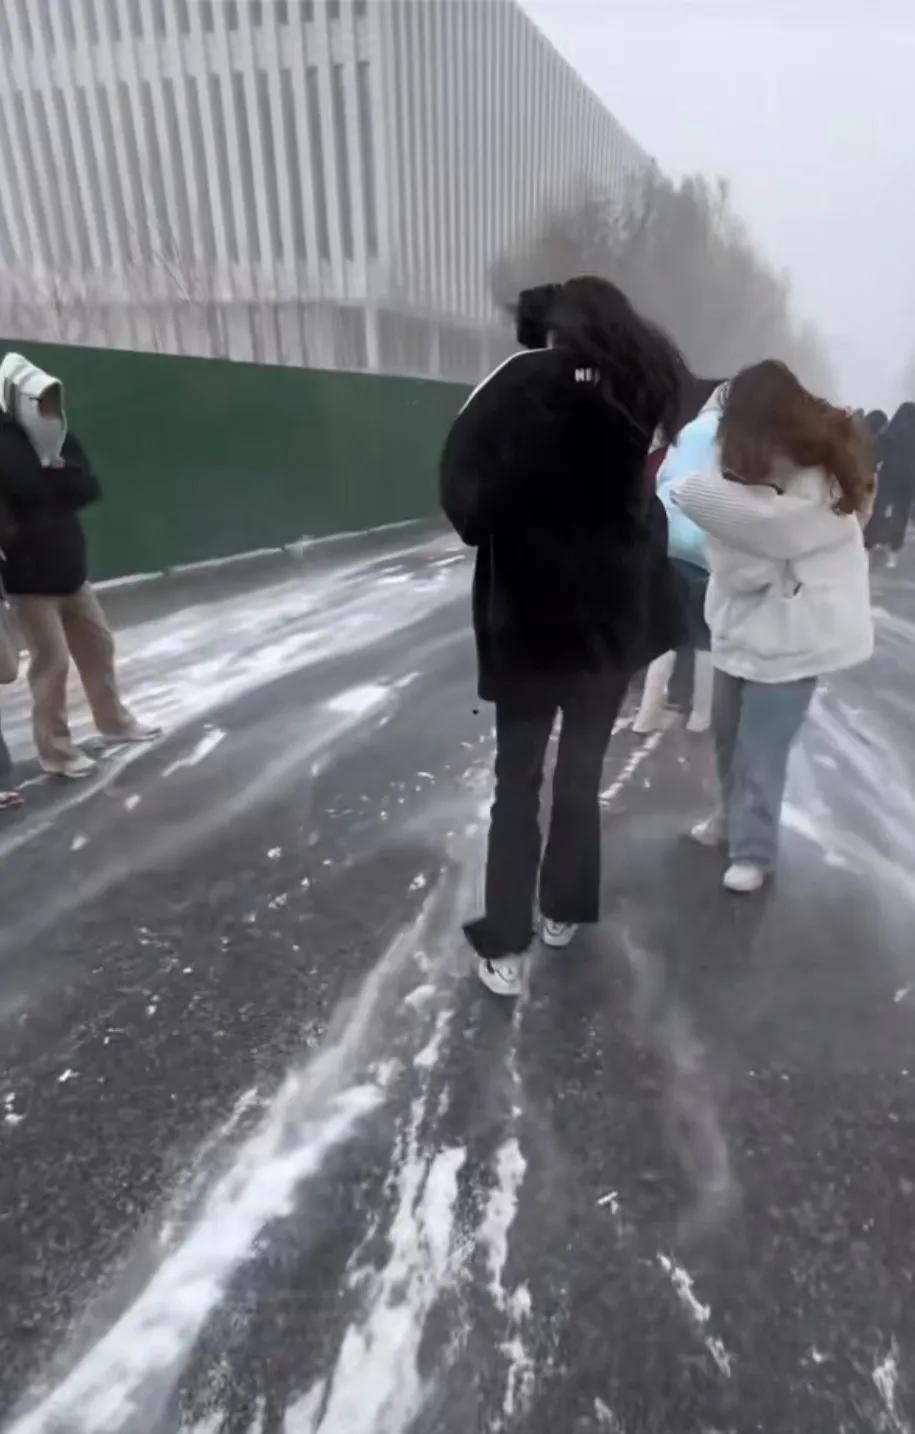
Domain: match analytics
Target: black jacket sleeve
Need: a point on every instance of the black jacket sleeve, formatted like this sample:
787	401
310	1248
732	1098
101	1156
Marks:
75	484
25	485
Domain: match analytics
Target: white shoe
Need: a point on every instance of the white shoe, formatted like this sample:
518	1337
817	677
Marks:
650	719
75	768
710	832
136	733
892	560
504	977
557	934
745	877
698	722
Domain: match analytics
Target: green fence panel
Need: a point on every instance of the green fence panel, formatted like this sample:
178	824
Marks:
202	458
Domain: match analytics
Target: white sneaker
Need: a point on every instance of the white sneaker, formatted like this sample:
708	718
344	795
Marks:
504	977
557	934
892	560
745	877
698	722
135	733
75	768
710	832
650	719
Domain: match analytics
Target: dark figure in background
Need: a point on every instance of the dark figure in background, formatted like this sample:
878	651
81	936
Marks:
543	473
895	445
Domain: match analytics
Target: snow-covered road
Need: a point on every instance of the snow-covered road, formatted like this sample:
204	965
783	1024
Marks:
271	1162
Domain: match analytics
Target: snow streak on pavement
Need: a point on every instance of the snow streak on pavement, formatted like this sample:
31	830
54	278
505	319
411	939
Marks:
275	1165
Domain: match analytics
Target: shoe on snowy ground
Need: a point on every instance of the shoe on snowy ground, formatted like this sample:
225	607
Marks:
698	722
710	832
503	977
557	934
75	768
136	733
745	877
651	719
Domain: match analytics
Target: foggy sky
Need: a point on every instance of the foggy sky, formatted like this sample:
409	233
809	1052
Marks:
809	109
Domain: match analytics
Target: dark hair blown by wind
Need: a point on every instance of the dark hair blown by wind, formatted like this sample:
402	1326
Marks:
640	367
769	415
532	315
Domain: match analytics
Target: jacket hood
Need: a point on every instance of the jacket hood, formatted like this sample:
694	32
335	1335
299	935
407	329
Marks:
21	378
22	385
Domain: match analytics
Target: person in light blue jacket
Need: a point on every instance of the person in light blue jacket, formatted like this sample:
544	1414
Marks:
693	452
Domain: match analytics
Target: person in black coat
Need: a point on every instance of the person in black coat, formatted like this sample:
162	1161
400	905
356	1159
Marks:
895	445
543	473
46	479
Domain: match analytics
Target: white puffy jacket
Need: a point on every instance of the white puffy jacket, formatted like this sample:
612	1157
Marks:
789	595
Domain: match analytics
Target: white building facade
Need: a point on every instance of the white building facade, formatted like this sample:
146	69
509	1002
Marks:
312	182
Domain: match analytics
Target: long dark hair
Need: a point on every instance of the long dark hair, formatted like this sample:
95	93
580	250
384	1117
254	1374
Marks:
640	367
532	315
768	414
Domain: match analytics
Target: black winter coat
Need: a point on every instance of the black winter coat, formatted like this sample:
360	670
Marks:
40	529
545	477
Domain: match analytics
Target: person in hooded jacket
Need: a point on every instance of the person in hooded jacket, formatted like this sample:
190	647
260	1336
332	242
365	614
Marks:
693	448
543	473
789	596
45	481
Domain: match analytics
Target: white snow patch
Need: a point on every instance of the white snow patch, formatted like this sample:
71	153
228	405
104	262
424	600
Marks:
376	1386
630	767
101	1394
10	1116
886	1378
357	701
207	744
141	1355
699	1313
419	996
427	1057
302	1417
606	1418
500	1213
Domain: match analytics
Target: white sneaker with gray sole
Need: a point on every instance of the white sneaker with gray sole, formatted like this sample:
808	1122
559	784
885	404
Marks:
557	934
504	977
745	877
75	768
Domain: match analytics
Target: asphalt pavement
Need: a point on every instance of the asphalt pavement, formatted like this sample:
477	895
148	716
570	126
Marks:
272	1162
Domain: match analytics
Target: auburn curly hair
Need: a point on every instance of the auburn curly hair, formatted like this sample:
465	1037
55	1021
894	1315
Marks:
768	415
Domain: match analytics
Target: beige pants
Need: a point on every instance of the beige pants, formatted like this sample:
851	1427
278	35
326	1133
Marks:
53	629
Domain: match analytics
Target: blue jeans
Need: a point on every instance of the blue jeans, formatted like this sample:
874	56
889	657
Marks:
6	764
755	726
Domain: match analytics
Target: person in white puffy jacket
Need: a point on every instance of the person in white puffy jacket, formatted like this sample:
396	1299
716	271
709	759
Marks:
789	593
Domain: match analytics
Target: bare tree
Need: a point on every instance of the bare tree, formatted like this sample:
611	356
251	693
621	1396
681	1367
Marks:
684	259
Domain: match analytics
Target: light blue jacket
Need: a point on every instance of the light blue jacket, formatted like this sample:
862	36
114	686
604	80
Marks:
695	451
